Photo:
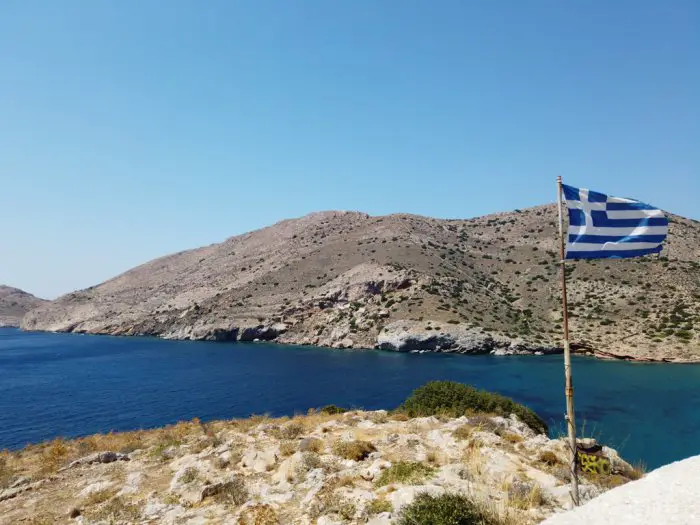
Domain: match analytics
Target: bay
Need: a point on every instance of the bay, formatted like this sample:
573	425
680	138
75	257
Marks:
72	385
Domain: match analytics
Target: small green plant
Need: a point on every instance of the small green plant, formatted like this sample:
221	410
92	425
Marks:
456	399
377	506
446	509
355	450
406	472
189	475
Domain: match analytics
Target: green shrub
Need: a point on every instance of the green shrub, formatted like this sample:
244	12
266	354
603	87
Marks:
407	472
332	409
456	399
446	509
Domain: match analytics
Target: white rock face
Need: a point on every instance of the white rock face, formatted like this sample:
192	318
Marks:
405	336
665	496
96	487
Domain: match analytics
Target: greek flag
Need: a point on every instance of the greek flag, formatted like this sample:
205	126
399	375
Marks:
602	227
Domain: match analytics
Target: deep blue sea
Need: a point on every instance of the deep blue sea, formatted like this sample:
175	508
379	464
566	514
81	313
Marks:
70	385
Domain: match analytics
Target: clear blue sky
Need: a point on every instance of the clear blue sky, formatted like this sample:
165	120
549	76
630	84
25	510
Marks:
132	129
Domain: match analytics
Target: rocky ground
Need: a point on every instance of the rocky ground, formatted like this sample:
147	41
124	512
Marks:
355	467
401	282
14	304
668	495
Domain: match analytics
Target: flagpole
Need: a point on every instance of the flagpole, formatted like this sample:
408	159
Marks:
571	422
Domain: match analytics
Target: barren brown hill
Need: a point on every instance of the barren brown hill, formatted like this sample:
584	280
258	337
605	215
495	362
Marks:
14	303
404	282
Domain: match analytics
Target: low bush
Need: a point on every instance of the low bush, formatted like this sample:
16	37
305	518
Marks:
332	409
233	492
378	506
355	450
446	509
456	399
549	458
291	430
407	472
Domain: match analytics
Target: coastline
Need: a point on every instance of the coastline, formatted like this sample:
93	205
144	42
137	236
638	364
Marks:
576	349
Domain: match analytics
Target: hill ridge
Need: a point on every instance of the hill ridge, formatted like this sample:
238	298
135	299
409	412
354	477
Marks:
14	304
399	281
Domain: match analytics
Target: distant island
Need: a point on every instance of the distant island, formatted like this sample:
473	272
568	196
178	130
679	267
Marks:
406	283
14	304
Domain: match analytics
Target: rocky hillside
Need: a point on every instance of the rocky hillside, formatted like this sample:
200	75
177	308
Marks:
14	303
324	469
404	282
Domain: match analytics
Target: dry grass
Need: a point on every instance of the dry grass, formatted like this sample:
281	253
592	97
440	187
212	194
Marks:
260	514
288	448
510	437
233	492
525	495
98	497
115	510
355	450
464	432
328	502
124	442
311	445
54	456
377	506
7	473
606	481
404	472
549	458
473	458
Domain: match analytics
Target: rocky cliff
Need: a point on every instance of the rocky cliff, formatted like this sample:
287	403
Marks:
14	303
404	282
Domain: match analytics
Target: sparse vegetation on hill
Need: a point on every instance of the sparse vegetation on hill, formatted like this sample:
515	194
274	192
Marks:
344	279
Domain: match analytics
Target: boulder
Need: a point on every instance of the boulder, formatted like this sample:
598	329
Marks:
262	332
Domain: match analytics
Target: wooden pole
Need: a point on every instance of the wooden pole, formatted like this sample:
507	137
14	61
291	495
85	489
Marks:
570	420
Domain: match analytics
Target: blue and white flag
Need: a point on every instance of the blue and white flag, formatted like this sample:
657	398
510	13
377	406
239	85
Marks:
602	227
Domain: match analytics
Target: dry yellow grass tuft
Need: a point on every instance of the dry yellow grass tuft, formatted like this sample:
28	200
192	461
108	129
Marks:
260	514
54	456
355	450
98	497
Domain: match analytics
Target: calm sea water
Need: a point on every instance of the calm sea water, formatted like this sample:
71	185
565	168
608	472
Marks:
70	385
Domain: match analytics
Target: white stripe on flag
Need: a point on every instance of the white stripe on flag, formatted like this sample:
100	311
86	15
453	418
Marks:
634	214
641	230
615	246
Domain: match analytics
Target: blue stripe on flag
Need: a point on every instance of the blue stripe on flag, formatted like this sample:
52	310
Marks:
571	193
602	239
577	217
601	220
623	206
594	196
612	254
